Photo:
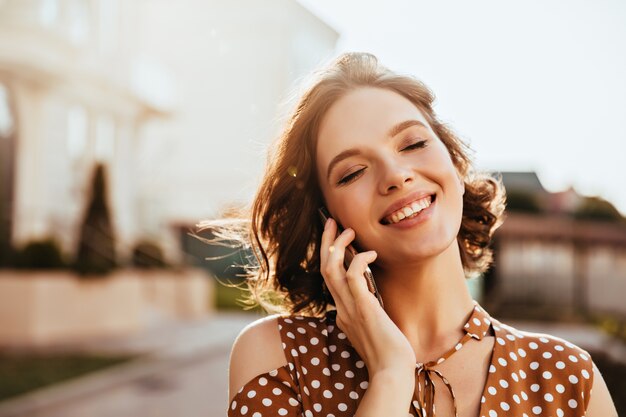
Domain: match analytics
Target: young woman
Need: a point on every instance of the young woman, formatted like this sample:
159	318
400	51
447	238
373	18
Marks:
365	143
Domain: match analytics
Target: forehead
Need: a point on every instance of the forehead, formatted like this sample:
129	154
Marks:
363	116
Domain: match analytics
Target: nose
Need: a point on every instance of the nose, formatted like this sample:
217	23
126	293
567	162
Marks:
395	176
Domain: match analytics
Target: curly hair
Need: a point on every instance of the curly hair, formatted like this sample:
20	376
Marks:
282	224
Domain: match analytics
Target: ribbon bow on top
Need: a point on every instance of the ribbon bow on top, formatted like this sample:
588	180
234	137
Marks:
477	327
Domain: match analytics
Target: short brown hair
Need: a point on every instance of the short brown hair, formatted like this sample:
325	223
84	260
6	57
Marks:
284	228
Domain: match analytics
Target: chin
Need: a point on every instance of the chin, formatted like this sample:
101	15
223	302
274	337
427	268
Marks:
412	253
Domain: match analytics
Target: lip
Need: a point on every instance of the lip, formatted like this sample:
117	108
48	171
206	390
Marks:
417	195
421	217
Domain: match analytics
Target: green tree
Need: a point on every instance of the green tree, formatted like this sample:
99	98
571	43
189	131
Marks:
596	208
521	201
96	248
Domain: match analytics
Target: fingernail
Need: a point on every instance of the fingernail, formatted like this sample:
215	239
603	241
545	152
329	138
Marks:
327	223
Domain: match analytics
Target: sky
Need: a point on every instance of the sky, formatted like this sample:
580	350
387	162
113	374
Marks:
530	85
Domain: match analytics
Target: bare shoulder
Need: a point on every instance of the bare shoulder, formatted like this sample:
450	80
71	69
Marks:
600	402
256	350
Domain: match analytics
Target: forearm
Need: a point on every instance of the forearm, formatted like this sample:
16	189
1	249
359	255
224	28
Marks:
388	394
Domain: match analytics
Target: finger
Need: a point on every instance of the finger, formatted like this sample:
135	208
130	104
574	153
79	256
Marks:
328	237
355	275
334	272
336	252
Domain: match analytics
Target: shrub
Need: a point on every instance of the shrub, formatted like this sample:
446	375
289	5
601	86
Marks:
596	208
42	254
148	255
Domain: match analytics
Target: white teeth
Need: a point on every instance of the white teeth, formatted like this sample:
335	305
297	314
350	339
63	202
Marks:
410	210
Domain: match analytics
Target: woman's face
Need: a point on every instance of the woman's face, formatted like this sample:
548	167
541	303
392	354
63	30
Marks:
376	156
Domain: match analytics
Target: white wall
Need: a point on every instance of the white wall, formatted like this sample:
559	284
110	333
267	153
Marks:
233	63
68	65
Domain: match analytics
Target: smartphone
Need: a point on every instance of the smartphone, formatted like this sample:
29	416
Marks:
349	256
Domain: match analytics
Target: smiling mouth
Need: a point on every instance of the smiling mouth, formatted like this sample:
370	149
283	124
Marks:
409	211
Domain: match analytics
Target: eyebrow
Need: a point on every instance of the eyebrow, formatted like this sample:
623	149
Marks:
354	151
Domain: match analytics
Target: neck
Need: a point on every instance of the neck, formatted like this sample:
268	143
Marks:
429	301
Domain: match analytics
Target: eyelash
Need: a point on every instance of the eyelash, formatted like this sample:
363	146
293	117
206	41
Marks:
351	177
416	145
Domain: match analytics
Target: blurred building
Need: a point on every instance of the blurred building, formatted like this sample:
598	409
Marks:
179	99
66	84
234	64
560	250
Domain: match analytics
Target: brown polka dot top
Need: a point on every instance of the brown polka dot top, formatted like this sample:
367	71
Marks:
530	374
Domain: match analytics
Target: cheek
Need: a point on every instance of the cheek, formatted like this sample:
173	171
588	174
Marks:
453	189
446	171
351	204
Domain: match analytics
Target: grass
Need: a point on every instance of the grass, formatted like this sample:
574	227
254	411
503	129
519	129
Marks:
228	298
612	325
25	373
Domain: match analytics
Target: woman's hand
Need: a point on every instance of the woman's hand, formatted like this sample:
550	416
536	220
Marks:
371	332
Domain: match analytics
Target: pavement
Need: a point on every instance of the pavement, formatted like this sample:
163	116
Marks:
184	370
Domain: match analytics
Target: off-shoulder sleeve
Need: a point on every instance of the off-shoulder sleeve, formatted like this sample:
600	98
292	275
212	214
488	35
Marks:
273	393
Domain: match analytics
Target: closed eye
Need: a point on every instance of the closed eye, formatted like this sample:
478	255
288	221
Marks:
350	177
416	145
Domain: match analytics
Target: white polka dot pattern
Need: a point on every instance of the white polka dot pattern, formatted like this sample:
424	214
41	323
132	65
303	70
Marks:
270	394
536	375
530	374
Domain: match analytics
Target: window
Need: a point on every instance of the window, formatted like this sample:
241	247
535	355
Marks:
48	12
77	130
6	117
78	20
